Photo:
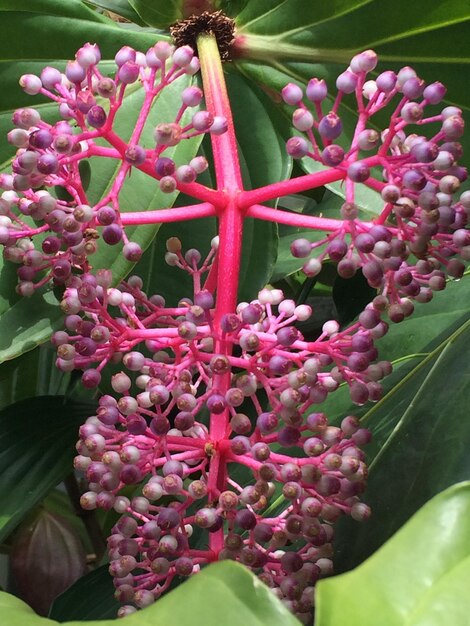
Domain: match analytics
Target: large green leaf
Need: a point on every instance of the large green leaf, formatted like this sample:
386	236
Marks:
418	578
119	7
74	603
427	450
37	438
284	40
421	430
222	593
158	13
32	374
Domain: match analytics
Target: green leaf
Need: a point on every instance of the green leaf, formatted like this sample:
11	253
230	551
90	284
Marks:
32	374
447	311
120	7
74	603
420	428
427	449
223	591
158	13
37	438
28	322
290	40
418	578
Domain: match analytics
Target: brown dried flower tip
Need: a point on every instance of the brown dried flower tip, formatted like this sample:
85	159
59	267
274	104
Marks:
186	32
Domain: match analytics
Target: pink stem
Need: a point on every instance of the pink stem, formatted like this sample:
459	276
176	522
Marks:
295	185
229	185
161	216
297	219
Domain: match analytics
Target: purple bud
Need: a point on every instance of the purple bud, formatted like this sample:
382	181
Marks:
128	72
364	61
132	252
31	84
106	215
358	172
332	155
297	147
182	56
96	117
124	55
89	54
192	96
425	151
386	81
330	126
47	164
25	118
368	139
91	378
216	404
202	120
199	164
204	299
230	323
434	93
135	155
162	50
185	174
292	94
106	87
112	234
287	335
347	82
152	60
219	125
413	87
41	139
85	100
50	76
300	248
75	72
411	112
302	120
316	90
453	127
164	166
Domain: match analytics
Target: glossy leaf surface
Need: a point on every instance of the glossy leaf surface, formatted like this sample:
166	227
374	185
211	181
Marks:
418	578
37	438
223	589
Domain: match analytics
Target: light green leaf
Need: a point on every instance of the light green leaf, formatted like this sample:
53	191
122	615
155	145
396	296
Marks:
120	7
224	591
74	602
421	431
158	13
418	578
32	374
290	40
37	438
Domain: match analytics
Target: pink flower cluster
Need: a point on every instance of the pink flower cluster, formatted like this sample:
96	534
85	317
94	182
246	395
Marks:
216	418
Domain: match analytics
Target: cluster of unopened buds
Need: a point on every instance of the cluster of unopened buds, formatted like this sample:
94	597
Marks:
216	418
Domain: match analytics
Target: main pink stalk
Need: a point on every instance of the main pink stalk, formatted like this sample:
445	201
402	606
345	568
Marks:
229	186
